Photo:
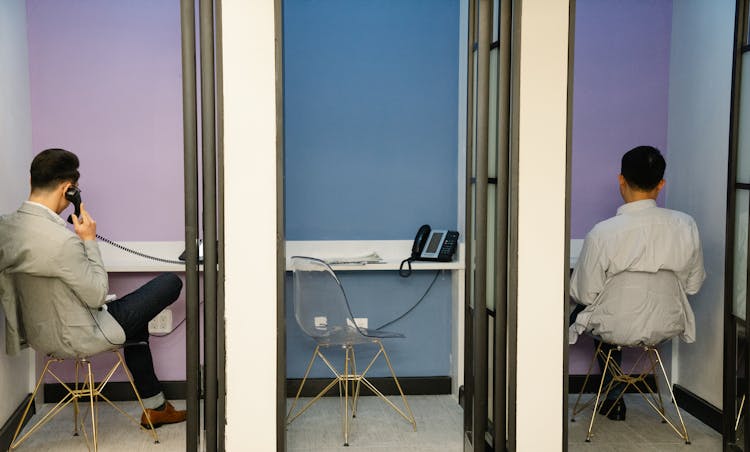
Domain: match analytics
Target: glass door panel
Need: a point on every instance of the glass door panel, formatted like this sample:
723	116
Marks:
743	133
742	202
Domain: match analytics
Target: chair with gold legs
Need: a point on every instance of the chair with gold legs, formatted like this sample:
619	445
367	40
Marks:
89	392
323	313
636	378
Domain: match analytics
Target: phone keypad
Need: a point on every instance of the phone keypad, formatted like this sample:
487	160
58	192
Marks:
449	246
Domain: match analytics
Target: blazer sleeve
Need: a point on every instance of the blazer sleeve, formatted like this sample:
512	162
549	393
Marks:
80	266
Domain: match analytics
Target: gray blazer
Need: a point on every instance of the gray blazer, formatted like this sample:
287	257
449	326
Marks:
53	287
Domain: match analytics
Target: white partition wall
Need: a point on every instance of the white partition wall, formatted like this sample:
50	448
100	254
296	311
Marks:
542	132
250	131
15	155
698	142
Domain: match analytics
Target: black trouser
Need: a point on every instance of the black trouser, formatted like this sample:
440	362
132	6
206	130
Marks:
133	312
616	356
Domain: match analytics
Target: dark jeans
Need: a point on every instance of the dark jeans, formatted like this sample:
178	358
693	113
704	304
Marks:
616	356
133	312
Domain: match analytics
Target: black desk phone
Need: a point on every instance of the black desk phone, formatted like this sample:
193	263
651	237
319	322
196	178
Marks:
431	245
73	194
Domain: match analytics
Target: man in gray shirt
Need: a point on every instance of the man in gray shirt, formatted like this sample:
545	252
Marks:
636	269
53	285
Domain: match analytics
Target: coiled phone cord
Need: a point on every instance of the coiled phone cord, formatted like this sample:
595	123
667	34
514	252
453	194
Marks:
138	253
405	273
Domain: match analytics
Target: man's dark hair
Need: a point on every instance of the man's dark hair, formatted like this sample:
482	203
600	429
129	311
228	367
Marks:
53	166
643	167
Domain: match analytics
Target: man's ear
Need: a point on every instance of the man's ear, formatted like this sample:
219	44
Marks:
660	185
63	187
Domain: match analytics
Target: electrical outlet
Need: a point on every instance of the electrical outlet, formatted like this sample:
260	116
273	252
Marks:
361	322
321	322
162	323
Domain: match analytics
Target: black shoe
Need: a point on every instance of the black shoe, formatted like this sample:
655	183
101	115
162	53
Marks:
616	412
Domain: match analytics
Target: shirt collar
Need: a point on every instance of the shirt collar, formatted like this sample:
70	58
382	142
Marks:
635	206
46	209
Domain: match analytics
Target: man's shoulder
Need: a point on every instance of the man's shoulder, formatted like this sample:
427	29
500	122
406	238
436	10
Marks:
676	214
24	229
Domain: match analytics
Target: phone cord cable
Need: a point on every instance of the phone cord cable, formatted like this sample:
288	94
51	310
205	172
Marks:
138	253
405	273
424	295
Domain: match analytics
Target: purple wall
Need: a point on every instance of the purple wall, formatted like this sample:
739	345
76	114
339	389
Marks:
106	84
620	100
620	97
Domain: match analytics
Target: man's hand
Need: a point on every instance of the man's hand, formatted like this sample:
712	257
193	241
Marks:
85	227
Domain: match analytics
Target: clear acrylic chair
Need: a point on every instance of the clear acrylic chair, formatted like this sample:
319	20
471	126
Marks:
323	313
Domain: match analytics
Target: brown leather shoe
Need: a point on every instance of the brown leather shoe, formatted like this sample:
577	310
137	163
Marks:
167	415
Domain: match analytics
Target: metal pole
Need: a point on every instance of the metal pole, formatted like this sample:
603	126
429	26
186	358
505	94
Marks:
568	175
280	237
501	229
208	128
469	228
512	314
729	389
220	306
480	280
190	143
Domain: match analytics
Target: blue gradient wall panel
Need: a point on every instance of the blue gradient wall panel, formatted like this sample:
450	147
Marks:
371	117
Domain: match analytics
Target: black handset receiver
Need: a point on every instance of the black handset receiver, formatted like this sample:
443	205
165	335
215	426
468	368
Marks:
430	245
73	194
419	240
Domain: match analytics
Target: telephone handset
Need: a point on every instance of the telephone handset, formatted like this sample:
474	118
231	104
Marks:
419	241
73	194
431	245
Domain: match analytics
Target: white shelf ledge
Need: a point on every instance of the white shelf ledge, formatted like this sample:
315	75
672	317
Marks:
391	251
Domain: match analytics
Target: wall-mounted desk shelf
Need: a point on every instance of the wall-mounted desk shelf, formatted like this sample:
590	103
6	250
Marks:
391	251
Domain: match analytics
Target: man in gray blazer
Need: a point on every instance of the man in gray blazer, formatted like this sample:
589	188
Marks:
53	285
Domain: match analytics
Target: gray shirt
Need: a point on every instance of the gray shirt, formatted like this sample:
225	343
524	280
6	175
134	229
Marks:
634	272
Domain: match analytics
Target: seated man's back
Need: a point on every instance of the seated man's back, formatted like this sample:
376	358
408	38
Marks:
636	268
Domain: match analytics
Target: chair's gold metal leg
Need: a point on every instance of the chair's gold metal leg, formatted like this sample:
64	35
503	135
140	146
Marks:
92	397
121	362
14	444
598	394
398	385
337	379
650	351
739	414
674	400
576	410
76	409
299	390
346	396
355	390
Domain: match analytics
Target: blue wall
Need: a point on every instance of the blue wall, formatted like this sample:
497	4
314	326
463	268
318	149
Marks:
370	136
371	117
381	297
